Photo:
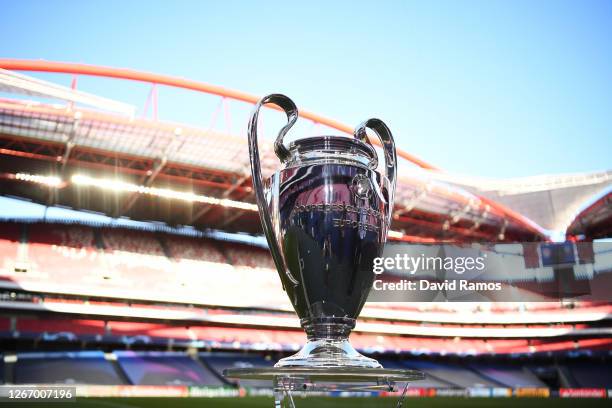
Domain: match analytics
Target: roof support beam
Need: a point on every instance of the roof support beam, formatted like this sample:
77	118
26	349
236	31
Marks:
230	219
225	194
131	200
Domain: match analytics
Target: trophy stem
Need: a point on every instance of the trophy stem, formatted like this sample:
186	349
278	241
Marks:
328	346
328	328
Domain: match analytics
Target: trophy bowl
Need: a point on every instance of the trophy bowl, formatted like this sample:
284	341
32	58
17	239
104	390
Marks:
325	213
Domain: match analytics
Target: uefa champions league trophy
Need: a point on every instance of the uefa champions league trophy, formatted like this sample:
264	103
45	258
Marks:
325	215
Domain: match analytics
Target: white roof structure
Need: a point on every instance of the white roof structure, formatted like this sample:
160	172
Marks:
549	200
13	82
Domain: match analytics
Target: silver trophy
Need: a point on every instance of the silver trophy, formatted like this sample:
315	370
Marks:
325	214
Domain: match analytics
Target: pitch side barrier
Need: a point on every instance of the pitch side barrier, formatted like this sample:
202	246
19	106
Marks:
183	391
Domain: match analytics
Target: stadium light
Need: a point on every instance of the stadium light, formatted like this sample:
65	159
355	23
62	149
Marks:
121	186
395	234
50	181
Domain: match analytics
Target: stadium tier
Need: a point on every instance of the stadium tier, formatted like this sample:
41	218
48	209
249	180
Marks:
111	262
163	368
64	368
508	375
153	278
73	331
223	361
115	262
205	369
591	374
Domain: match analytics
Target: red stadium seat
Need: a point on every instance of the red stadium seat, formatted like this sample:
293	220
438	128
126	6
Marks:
10	236
63	253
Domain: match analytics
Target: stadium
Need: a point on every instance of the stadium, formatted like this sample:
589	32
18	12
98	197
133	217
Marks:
146	275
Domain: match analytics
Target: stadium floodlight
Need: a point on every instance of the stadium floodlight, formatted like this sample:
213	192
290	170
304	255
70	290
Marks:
122	186
51	181
395	234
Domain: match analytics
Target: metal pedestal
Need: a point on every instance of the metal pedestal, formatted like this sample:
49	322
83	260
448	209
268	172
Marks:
287	381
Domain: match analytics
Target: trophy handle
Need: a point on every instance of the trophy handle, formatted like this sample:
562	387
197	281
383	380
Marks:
283	154
386	138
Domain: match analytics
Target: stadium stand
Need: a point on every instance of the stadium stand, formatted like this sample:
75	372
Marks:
86	259
249	256
159	368
124	240
223	361
70	328
511	376
427	382
135	257
453	374
586	374
205	369
10	237
186	248
62	252
87	367
128	332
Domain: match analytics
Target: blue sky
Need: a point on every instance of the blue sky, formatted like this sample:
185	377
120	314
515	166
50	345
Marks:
488	88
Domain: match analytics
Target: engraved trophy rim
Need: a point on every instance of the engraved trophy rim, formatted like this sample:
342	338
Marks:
325	147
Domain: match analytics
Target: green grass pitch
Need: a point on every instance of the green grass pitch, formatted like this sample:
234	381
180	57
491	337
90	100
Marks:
261	402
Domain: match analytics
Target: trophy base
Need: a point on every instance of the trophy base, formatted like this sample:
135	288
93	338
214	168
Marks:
328	353
287	380
328	346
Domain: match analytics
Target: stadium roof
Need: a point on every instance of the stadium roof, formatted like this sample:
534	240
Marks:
550	200
594	220
180	174
12	82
